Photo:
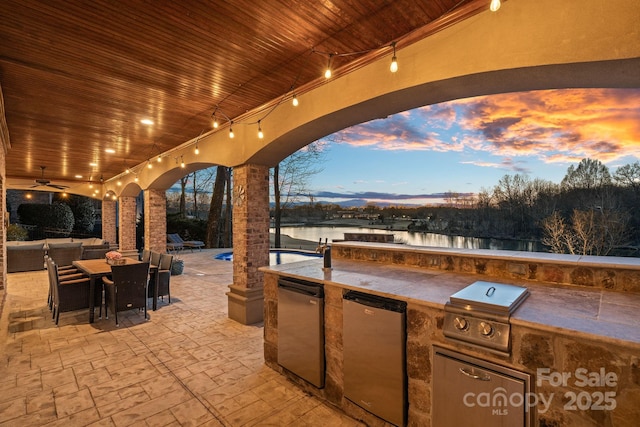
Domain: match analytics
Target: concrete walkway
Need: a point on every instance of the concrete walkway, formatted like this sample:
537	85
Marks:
187	365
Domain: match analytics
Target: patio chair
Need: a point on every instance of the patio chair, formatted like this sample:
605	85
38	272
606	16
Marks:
63	254
145	256
68	295
65	274
175	238
164	276
154	264
127	289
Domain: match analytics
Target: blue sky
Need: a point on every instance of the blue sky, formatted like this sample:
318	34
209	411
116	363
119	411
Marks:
466	145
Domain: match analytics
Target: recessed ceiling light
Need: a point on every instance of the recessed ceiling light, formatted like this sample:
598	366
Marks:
146	121
110	150
78	176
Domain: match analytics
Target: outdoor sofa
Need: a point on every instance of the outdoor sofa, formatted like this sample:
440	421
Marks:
29	255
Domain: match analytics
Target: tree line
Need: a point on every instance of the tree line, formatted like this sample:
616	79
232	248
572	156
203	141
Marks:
590	212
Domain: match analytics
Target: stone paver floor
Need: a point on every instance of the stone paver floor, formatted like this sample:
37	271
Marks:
188	365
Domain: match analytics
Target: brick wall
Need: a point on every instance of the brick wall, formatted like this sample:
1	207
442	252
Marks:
155	220
127	221
109	221
250	224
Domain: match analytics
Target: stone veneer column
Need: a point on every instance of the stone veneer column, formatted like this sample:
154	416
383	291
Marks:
127	221
155	220
250	242
109	221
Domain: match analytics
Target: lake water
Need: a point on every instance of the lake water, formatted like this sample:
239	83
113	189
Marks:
413	238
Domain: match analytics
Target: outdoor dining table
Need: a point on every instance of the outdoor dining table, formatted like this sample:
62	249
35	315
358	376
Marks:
96	269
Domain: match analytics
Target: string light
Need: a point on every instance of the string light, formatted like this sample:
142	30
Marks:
231	134
327	72
394	60
149	165
159	159
260	134
197	151
136	178
182	165
215	122
494	6
294	101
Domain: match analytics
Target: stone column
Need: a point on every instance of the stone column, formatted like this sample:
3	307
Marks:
127	221
155	220
109	221
250	242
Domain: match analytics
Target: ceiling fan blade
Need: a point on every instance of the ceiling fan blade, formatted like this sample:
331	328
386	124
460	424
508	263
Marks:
59	187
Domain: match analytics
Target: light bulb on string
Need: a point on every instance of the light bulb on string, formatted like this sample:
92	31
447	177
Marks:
136	178
215	122
159	159
294	101
149	165
260	134
197	150
182	165
231	134
394	60
327	72
494	6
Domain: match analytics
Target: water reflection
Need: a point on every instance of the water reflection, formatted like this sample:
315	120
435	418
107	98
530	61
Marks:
415	238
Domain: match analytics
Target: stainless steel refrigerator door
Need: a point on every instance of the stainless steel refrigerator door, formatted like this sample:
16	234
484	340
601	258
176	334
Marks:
467	394
374	360
301	335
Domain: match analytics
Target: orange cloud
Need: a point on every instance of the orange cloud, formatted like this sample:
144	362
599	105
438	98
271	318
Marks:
552	125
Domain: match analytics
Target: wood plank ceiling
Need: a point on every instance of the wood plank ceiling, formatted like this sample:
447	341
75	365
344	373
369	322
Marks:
78	76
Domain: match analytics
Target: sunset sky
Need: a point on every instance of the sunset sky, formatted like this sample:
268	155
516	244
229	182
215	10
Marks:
466	145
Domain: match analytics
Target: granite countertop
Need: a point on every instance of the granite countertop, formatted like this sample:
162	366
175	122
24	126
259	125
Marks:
608	316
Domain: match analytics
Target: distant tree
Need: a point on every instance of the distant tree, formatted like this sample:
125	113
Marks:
556	234
84	212
57	217
590	174
628	176
214	222
183	196
590	232
291	177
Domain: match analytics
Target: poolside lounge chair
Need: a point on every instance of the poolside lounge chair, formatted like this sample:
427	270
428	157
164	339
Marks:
175	239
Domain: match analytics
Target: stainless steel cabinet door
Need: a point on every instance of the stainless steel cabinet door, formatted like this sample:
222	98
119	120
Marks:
465	394
301	335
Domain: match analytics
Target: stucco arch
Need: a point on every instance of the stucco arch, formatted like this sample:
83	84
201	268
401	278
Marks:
527	45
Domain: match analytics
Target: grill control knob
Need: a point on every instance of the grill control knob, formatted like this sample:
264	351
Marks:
461	323
486	329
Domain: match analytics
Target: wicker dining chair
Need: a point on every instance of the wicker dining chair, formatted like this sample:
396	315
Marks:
164	276
68	295
126	289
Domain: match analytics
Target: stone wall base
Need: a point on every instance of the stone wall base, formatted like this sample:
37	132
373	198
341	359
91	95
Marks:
246	305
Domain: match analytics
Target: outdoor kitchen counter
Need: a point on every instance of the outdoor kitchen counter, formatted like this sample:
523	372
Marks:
604	315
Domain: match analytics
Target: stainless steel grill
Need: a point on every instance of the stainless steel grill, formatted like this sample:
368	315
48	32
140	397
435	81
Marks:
479	315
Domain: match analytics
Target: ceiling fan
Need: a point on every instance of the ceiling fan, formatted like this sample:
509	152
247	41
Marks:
45	182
